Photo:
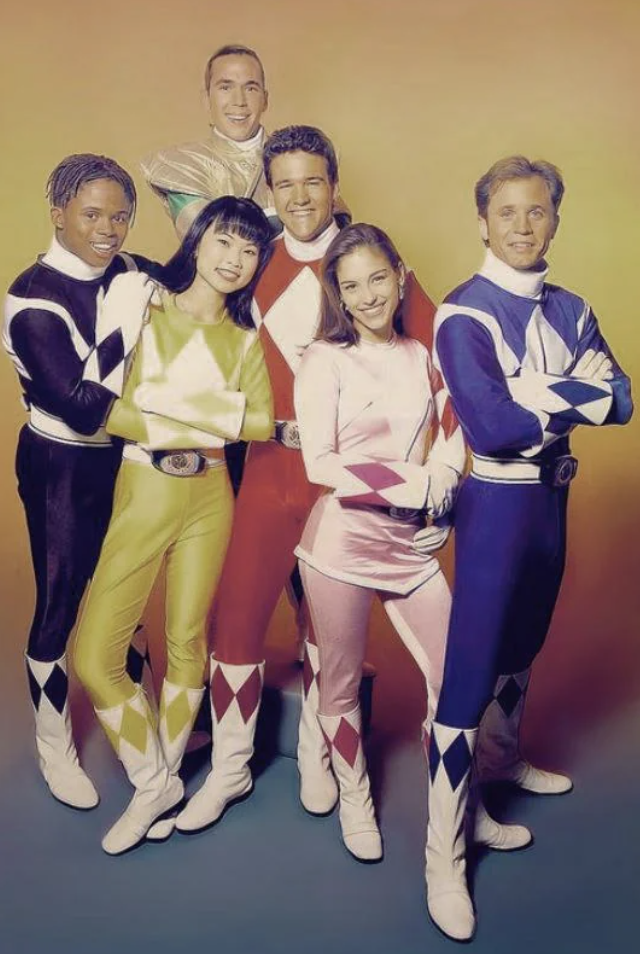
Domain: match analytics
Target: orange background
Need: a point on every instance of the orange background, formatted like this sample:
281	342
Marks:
420	96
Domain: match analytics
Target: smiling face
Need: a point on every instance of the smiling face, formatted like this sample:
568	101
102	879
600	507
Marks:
225	261
237	97
369	288
520	222
303	193
94	223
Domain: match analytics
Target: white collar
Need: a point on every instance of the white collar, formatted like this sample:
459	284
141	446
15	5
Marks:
313	250
64	261
526	284
245	145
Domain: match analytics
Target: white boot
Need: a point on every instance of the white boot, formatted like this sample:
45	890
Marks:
318	787
498	754
130	729
179	707
235	699
57	754
360	832
140	670
482	829
450	760
486	831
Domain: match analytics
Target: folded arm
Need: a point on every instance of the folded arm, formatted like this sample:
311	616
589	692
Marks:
494	421
357	478
595	390
58	383
246	414
591	339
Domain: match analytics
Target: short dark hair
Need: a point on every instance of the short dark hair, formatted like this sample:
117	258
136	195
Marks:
335	324
73	172
300	139
517	167
231	49
239	217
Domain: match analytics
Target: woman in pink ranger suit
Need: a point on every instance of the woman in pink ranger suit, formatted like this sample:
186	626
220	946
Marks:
365	409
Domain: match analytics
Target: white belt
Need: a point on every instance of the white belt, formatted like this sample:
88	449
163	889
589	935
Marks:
45	424
141	456
505	471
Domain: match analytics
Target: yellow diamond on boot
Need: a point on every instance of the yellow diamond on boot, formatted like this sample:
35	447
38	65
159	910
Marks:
133	728
177	715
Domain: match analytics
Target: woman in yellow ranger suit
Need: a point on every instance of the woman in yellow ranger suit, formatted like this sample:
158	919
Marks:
198	379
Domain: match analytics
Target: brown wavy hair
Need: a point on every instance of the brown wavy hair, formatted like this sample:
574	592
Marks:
335	324
517	167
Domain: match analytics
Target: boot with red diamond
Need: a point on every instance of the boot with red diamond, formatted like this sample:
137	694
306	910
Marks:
236	691
360	831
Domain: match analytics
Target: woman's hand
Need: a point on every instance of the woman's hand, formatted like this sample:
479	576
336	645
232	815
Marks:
443	484
432	537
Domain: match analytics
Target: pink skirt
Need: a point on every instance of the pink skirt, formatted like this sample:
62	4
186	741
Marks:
364	546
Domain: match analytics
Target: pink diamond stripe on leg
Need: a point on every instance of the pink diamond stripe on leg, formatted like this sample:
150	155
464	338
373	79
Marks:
221	693
248	695
346	741
377	476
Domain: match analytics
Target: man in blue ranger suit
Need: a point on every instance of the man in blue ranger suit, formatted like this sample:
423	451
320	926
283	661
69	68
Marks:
524	362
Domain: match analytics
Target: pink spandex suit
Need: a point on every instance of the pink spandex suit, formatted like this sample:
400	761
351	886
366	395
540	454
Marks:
367	439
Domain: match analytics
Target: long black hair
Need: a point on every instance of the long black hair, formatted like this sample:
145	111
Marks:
227	214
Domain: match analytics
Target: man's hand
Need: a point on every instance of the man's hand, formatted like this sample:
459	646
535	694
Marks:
124	307
593	364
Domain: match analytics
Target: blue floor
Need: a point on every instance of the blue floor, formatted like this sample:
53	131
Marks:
269	879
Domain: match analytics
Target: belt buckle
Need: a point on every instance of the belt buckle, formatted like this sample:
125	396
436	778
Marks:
404	513
559	472
287	433
183	463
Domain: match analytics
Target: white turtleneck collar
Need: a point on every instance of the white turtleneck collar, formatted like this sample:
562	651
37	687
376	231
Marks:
245	145
526	284
313	250
64	261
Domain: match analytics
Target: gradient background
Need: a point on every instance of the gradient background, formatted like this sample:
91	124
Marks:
420	97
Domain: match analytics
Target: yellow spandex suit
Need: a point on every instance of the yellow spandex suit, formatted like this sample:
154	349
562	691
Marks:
192	386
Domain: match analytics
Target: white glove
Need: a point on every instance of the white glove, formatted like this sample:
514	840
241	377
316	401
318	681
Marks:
539	392
529	388
124	307
432	537
593	364
443	483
